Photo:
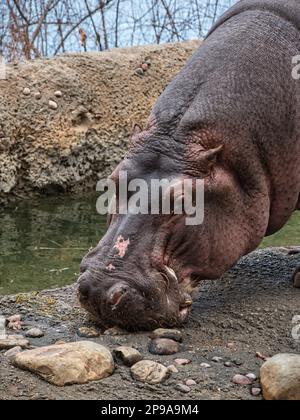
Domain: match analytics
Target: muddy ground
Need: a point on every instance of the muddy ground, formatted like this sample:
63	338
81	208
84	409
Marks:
252	306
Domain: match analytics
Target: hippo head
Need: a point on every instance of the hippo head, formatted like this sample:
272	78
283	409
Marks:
143	271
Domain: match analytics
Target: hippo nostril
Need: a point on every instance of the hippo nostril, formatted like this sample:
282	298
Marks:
116	294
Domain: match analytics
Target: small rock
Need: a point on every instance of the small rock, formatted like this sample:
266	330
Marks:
67	364
251	376
230	345
183	388
163	347
175	335
182	362
241	380
58	94
217	359
14	318
12	352
10	341
205	365
280	378
53	105
139	72
115	331
238	362
191	382
228	364
261	356
145	67
128	355
85	332
173	369
38	96
255	392
34	333
150	372
26	91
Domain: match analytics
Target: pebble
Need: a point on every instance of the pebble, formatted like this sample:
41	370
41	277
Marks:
190	382
163	347
15	318
238	362
251	376
182	362
128	355
10	341
53	105
58	94
145	67
150	372
183	388
26	91
85	332
115	331
34	333
12	352
139	72
255	392
175	335
205	365
14	322
217	359
228	364
68	364
173	369
38	96
241	380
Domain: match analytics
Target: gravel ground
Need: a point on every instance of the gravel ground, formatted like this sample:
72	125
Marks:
250	310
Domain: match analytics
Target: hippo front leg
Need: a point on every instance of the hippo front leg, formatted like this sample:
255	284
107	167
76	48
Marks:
296	278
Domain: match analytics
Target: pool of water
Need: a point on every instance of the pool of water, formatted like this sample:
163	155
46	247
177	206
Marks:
42	243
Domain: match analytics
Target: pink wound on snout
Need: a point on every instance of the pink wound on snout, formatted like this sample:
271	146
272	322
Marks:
122	246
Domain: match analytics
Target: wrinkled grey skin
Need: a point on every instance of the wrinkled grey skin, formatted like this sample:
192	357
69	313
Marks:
231	117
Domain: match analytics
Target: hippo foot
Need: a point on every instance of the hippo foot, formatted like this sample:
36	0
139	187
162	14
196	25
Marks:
296	278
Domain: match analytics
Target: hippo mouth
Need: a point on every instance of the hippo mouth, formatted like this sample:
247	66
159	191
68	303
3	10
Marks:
121	305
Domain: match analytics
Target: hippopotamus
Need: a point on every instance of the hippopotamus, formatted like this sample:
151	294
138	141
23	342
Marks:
232	119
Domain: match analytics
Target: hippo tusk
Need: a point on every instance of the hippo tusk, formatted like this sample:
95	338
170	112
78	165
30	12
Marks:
171	273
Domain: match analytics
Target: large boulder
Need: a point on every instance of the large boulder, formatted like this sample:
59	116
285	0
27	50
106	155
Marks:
67	121
67	364
280	377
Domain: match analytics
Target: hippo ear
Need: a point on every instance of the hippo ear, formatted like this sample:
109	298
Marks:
209	158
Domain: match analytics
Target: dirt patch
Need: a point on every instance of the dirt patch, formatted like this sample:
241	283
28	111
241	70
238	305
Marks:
67	121
252	308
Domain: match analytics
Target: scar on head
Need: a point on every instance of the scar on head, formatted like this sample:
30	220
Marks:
110	267
122	246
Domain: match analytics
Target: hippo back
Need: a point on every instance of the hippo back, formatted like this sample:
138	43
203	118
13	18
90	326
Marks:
288	10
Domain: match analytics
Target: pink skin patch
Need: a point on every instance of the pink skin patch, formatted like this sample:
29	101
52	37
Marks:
122	246
110	267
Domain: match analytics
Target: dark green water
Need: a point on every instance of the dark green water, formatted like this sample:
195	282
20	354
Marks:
42	243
